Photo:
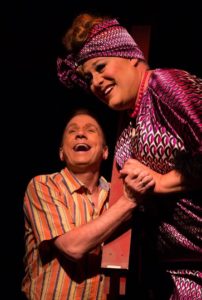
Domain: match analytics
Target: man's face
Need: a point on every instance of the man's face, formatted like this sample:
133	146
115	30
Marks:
83	145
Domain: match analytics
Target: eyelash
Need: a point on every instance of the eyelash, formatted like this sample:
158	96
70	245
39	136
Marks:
99	69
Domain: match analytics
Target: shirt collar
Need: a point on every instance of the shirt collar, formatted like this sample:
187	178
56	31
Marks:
74	184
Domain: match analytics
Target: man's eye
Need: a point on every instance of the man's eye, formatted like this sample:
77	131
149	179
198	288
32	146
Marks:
71	131
91	130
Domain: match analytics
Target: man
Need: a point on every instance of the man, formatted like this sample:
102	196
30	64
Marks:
67	218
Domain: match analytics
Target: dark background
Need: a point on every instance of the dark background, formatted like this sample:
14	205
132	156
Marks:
34	103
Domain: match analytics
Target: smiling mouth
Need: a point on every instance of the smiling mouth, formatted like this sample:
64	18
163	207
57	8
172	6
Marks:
81	147
107	90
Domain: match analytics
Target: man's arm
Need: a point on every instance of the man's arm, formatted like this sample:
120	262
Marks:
80	240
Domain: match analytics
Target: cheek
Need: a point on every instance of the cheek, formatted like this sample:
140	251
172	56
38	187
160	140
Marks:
127	80
66	151
119	75
112	71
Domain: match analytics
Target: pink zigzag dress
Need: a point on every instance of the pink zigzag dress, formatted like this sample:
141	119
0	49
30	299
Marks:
169	123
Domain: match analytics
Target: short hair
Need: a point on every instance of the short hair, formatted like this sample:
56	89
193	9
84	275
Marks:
85	111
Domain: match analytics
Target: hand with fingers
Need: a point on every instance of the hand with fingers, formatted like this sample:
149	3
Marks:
137	180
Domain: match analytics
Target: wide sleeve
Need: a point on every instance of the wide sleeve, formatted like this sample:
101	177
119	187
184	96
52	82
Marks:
177	97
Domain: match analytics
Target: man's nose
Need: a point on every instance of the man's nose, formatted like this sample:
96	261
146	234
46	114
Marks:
80	134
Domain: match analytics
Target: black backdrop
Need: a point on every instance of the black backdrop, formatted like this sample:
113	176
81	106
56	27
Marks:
34	103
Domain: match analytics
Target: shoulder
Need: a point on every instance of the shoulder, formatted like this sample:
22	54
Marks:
177	97
175	87
173	77
52	179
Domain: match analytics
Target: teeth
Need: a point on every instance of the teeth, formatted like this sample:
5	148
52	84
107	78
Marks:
108	90
81	147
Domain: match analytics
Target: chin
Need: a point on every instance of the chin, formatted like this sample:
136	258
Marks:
117	106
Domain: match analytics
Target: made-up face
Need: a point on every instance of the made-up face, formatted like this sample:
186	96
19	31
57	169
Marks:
83	145
113	80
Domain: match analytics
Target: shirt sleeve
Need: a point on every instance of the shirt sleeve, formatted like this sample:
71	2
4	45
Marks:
46	210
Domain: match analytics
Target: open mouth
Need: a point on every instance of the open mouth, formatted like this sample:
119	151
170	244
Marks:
81	147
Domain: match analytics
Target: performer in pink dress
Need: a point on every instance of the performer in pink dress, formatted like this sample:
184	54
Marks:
163	135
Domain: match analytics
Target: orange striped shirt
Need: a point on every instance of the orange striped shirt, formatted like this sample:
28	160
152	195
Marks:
54	204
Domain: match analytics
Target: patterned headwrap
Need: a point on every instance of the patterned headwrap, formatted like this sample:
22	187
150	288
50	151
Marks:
105	39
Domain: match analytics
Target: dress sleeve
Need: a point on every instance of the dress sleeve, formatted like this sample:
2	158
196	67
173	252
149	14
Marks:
177	96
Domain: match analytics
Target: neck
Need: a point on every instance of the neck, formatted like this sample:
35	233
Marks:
142	87
89	179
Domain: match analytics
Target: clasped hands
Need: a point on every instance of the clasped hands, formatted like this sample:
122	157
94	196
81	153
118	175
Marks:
138	180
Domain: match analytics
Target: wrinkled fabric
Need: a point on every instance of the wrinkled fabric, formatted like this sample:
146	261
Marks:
169	123
53	205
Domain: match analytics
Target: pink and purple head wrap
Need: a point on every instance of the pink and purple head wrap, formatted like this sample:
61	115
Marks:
106	39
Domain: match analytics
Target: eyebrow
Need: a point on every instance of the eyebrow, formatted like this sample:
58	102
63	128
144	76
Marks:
94	64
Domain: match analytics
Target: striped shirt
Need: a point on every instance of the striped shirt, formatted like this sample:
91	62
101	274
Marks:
53	205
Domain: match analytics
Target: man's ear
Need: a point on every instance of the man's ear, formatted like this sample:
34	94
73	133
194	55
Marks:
105	152
61	154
